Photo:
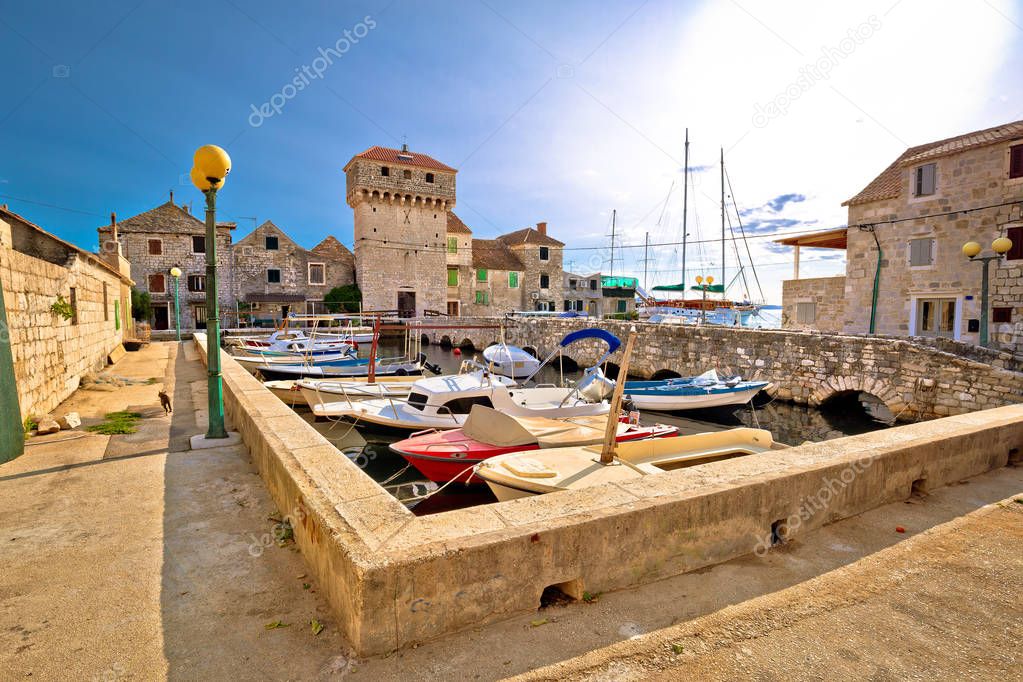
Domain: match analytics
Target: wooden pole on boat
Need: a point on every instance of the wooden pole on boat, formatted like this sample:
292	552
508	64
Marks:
607	452
373	352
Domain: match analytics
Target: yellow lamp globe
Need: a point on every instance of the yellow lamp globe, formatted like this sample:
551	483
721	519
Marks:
971	249
1001	245
175	272
212	161
699	279
710	279
202	182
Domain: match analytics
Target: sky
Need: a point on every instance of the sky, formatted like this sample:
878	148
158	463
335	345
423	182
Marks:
557	112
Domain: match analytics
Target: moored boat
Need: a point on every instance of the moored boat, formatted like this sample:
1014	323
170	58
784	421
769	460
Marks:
510	361
448	455
681	393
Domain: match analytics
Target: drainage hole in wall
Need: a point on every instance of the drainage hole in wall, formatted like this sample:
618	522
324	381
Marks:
919	488
1015	457
561	594
779	532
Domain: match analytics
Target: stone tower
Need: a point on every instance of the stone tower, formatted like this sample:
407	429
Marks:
401	200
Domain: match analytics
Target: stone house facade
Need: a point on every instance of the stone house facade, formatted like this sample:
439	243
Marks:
918	213
600	295
274	276
401	201
543	272
51	353
169	236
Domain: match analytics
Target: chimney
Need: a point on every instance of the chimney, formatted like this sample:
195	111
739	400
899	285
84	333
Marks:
113	225
172	196
542	228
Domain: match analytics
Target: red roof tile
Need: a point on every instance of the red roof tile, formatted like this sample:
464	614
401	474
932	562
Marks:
529	235
406	158
456	226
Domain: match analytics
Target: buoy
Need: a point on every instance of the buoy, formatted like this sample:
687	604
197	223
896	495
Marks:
900	529
457	351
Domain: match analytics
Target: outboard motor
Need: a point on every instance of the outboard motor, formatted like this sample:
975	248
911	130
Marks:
429	365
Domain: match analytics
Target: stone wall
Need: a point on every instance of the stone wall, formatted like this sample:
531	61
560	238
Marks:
828	295
553	267
974	178
52	354
914	380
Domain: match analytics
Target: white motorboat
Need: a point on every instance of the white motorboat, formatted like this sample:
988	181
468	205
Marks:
357	388
510	361
445	402
680	393
535	472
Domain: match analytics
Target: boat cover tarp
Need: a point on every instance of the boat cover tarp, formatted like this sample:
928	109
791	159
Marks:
490	426
607	337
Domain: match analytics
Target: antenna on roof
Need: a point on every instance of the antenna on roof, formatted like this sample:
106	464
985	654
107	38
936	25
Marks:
172	196
404	143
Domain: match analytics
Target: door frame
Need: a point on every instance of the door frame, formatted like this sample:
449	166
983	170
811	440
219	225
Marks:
914	305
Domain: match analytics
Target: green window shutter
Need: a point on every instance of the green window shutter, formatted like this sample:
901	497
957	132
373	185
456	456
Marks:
452	244
513	280
452	277
117	315
481	275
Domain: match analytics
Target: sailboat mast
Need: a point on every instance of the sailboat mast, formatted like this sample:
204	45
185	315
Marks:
646	257
685	210
722	221
614	214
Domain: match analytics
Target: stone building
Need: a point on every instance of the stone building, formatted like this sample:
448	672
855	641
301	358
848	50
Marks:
169	236
401	201
914	218
274	276
543	273
52	352
600	295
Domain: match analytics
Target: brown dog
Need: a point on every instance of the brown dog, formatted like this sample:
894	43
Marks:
165	402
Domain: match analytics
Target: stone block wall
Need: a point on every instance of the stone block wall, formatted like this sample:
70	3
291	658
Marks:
52	354
501	297
828	293
554	295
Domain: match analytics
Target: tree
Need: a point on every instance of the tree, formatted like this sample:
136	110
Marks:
343	299
141	305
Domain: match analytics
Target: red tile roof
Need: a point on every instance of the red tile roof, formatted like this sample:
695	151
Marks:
456	226
889	184
493	254
529	235
406	158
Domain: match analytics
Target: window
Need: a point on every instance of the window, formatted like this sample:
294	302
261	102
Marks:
73	300
568	305
513	280
481	275
806	313
157	284
406	174
273	276
197	282
622	306
198	244
545	281
924	179
593	285
452	277
1001	315
482	297
1016	161
545	253
317	273
106	303
579	305
453	308
921	252
429	178
155	247
452	244
572	284
1015	234
199	312
385	171
272	243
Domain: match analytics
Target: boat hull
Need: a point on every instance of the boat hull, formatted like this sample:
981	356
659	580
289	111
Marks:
661	401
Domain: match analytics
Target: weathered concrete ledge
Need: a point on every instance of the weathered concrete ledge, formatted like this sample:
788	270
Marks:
915	379
395	579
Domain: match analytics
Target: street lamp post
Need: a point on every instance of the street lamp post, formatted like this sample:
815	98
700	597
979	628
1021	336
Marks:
175	272
703	306
972	250
209	172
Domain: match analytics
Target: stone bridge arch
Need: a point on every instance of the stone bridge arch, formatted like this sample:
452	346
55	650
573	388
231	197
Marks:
835	386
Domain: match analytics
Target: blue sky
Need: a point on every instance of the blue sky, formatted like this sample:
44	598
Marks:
557	112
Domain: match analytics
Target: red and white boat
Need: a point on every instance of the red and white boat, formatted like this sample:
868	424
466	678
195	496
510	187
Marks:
449	455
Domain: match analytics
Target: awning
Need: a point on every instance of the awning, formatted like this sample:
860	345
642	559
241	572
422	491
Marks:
828	239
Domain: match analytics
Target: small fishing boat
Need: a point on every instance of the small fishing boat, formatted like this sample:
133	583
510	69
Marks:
332	368
682	393
522	474
510	361
449	455
291	390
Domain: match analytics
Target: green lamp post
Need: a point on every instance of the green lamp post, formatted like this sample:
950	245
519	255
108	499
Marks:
703	307
972	250
175	272
209	172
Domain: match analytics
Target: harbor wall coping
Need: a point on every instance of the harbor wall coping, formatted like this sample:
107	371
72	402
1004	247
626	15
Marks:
394	579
